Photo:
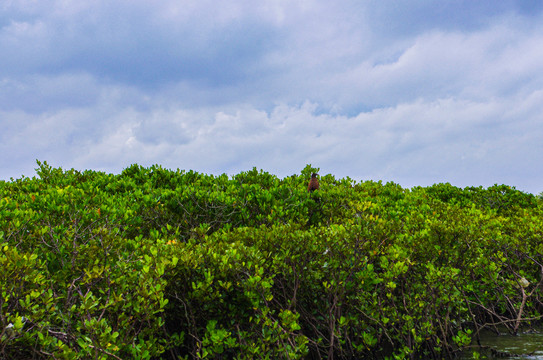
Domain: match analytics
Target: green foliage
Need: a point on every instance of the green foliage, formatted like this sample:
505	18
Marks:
154	263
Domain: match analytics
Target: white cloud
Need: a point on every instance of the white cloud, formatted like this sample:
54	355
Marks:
420	143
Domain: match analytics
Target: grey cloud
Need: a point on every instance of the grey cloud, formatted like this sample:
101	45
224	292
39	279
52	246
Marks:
37	94
225	86
409	18
132	43
222	53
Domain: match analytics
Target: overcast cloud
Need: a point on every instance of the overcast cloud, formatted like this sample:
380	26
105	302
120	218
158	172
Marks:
416	92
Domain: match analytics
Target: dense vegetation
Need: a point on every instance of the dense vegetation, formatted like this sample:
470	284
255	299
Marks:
154	263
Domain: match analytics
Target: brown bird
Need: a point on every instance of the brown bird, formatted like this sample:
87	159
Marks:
313	183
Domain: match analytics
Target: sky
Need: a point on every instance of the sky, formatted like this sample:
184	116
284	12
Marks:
416	92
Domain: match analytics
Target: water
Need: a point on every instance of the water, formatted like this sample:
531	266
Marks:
529	345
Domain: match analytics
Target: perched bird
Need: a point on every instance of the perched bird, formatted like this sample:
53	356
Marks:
313	183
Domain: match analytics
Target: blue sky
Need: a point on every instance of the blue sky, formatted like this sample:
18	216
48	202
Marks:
415	92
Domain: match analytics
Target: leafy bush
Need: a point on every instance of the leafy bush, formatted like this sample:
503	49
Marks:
154	263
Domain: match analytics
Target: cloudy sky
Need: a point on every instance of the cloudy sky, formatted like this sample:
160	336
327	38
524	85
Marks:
416	92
